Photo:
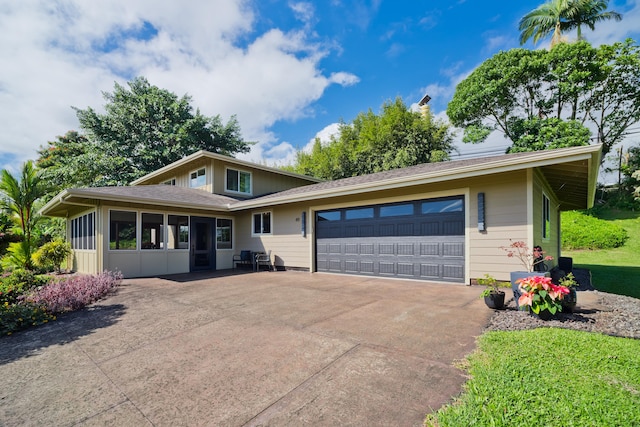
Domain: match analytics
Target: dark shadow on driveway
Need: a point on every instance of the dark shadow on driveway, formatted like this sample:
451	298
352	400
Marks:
69	327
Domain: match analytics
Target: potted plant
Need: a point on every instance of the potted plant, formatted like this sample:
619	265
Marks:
570	301
493	296
531	260
540	296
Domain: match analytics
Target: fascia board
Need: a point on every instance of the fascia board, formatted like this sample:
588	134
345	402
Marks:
489	168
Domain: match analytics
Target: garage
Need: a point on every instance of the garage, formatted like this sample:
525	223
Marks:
421	239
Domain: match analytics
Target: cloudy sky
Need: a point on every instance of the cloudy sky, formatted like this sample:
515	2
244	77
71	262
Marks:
289	70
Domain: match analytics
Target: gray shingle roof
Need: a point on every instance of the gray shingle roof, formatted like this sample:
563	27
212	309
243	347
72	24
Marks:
158	194
408	172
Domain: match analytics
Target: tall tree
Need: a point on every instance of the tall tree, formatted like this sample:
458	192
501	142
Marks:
143	129
20	196
396	138
558	16
66	162
596	87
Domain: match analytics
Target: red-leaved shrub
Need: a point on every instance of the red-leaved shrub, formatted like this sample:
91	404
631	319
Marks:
75	292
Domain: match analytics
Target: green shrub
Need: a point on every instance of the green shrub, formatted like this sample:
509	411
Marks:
52	254
14	317
582	231
17	283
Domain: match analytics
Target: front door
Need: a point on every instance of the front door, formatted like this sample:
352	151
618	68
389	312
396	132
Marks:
203	249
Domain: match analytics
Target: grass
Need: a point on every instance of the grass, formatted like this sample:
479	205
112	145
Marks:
548	377
614	270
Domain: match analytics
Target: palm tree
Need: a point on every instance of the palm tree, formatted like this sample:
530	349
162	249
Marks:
557	16
19	198
594	11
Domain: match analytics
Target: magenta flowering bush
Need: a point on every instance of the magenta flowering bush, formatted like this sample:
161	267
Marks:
539	294
72	293
527	257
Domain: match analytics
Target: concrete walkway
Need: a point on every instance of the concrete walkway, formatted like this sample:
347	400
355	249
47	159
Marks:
268	348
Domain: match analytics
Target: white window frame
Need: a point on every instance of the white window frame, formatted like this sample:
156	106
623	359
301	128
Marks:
230	248
82	235
185	244
137	213
261	233
238	171
191	180
546	217
172	181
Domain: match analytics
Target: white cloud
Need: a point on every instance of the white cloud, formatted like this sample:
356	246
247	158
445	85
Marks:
59	54
303	11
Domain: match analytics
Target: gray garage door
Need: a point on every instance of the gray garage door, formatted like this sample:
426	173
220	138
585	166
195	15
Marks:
422	239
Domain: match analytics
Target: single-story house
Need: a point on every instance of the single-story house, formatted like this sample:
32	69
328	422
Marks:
437	221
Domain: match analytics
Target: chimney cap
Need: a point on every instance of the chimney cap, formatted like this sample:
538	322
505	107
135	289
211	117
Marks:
426	98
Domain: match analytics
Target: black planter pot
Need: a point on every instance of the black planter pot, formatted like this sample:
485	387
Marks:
570	301
495	300
516	275
543	315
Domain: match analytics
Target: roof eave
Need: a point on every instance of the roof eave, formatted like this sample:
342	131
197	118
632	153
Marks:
541	159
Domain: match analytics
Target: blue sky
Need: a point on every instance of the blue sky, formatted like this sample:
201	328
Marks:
289	70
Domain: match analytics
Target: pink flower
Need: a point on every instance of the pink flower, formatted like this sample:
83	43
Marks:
526	299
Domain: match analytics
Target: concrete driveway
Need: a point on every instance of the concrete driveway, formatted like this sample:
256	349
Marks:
267	348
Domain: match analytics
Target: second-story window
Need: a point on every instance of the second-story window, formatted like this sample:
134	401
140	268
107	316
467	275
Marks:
197	178
238	181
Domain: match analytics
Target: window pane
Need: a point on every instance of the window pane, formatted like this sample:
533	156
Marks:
92	233
74	233
266	222
223	234
198	178
396	210
257	223
152	236
359	213
232	180
245	182
122	230
178	232
329	216
440	206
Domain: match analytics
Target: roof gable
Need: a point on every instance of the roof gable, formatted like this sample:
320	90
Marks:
202	154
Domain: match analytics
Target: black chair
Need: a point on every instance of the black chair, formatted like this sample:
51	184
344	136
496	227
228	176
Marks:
243	259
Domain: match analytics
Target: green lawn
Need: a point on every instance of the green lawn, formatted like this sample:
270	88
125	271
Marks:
615	270
559	377
548	377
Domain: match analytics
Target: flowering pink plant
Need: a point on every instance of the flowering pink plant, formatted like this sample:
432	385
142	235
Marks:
540	294
528	258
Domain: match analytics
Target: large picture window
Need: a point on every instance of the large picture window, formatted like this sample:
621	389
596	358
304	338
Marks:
238	181
223	234
262	223
83	235
198	178
152	235
122	230
178	232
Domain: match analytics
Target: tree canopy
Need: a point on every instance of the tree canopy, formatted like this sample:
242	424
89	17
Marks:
143	129
597	88
557	16
396	138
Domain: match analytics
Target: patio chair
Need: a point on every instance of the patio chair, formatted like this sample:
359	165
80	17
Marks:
264	259
244	259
